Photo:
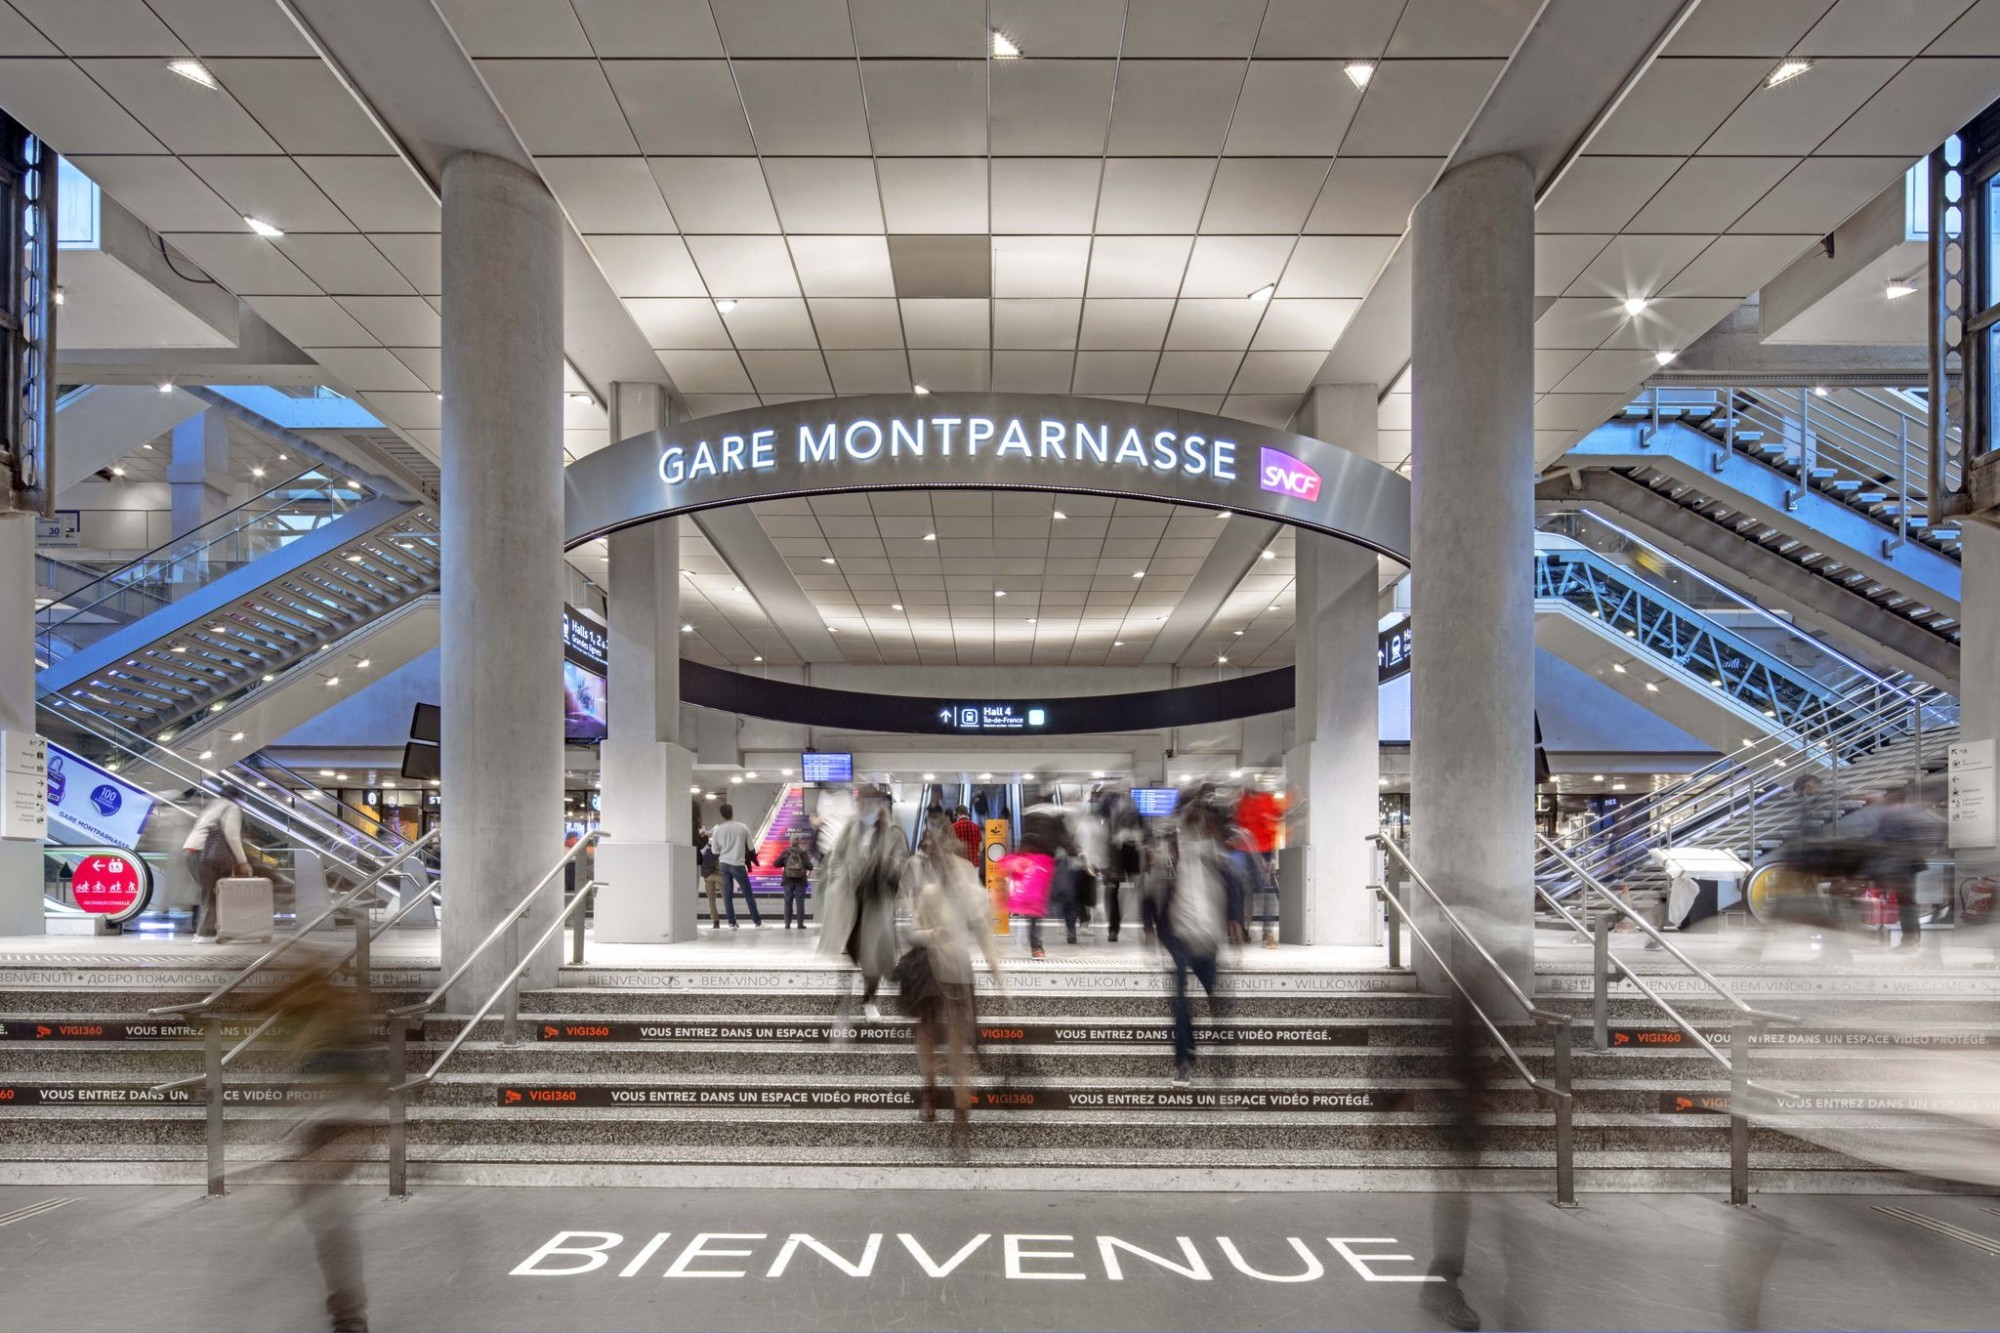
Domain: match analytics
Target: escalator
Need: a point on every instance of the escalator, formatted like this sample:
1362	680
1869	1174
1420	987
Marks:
1821	502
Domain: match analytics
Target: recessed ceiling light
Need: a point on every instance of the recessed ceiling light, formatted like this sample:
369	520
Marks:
262	228
1138	573
1222	661
1239	633
1619	667
895	606
687	629
59	296
826	560
1788	69
1665	356
1058	515
920	391
1031	620
1358	72
166	386
1896	290
1264	293
363	663
695	791
1652	687
1820	390
326	772
206	754
1118	643
117	471
148	446
1268	555
999	592
724	306
1597	777
217	707
986	777
1635	305
736	781
1273	607
749	777
332	681
930	536
1003	46
268	678
737	588
758	658
194	72
235	735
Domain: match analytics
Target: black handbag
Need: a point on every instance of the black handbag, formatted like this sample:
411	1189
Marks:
916	983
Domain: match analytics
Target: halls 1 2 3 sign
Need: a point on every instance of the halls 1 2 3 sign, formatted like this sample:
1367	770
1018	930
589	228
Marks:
992	441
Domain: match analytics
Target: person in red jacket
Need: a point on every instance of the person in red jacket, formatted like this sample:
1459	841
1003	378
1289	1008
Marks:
970	835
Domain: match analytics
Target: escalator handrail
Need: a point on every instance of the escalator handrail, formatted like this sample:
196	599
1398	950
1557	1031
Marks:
74	604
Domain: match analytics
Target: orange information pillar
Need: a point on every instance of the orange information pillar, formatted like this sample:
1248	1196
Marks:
996	879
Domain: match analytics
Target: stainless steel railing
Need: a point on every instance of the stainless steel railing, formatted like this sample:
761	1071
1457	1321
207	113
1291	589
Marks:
1556	1091
1747	1025
506	933
215	1061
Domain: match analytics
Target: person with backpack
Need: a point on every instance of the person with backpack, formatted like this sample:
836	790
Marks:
795	874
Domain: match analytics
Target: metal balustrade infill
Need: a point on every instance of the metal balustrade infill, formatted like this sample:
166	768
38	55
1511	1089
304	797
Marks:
1868	448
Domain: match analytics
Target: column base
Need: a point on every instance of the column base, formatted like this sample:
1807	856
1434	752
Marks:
648	894
21	889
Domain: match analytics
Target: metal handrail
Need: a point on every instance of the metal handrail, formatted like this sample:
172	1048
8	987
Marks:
1653	933
506	922
583	896
1558	1024
388	923
1521	997
338	905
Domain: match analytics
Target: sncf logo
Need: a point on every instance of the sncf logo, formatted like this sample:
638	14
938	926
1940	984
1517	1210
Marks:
1279	472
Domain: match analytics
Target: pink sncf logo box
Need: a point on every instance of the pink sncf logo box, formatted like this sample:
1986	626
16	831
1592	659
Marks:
1280	473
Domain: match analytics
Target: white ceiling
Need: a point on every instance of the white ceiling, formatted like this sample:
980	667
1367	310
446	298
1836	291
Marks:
890	596
890	205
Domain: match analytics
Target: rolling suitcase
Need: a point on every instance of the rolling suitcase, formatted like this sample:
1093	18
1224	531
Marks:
243	909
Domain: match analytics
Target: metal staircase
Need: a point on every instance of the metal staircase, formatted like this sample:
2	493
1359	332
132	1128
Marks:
1775	483
213	616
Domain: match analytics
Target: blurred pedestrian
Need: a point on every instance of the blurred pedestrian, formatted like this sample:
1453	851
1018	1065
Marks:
1905	836
858	890
1194	923
1125	836
971	837
935	976
329	1041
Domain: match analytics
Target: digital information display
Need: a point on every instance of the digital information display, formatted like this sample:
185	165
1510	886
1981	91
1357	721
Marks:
826	766
92	802
994	717
1155	802
586	656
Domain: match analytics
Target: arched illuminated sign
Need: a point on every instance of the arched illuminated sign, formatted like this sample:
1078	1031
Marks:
988	441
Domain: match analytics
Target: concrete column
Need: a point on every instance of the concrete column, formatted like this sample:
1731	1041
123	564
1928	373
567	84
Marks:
1333	767
199	472
1979	662
502	547
20	862
1473	687
647	863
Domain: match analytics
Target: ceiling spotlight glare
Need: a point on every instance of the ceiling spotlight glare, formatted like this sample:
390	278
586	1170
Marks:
235	735
986	777
1788	69
1897	289
1665	356
1004	47
724	306
1635	305
1359	72
1263	293
1821	391
166	386
256	472
332	682
930	777
826	560
999	592
930	536
758	658
59	296
1058	515
695	791
363	663
1268	555
1222	661
1118	643
206	754
194	72
262	228
117	471
920	391
687	629
1652	687
895	606
1138	573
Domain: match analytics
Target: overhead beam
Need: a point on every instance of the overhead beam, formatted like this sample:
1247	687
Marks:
1734	352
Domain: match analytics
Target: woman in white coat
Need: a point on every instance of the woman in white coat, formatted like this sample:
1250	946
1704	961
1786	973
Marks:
949	923
862	878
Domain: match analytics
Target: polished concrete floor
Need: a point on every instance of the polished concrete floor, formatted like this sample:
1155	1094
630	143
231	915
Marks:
146	1259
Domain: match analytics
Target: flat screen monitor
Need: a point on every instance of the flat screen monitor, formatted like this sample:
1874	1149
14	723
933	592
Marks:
583	704
427	723
1155	802
826	766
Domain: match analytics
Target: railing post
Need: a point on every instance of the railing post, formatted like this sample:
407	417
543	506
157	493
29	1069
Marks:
1565	1126
1739	1113
363	965
399	1059
576	937
1600	994
1395	927
1806	450
211	1023
511	1016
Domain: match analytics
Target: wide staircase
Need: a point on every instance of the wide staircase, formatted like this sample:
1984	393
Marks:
660	1075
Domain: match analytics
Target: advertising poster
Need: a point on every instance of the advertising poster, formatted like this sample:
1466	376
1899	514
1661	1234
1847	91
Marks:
586	668
85	799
